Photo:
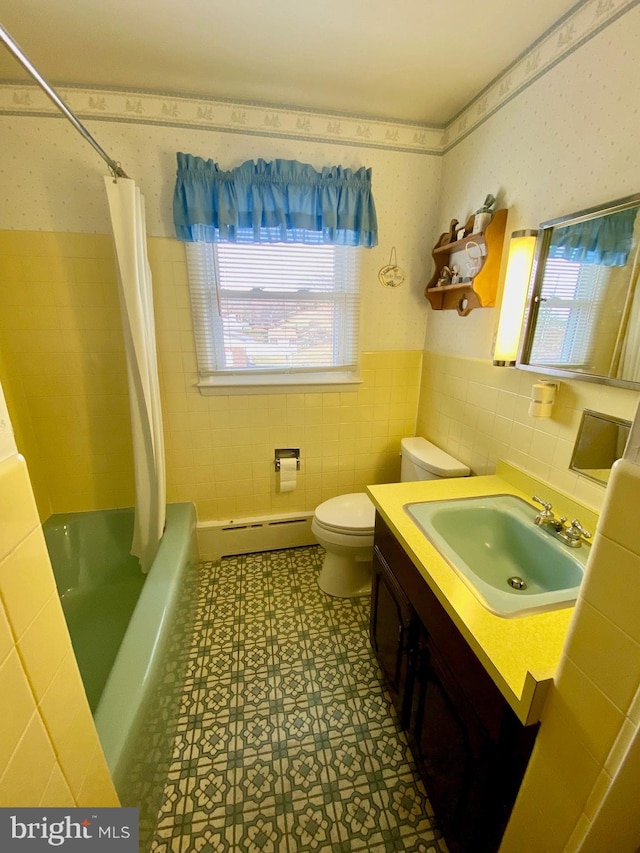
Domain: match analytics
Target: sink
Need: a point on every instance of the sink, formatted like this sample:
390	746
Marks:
511	565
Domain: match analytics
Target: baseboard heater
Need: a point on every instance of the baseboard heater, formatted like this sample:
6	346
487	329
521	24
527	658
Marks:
218	539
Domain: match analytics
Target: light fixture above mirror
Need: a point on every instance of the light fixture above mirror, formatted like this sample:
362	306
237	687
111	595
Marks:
583	314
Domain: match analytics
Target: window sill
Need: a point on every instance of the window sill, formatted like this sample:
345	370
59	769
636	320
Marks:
290	383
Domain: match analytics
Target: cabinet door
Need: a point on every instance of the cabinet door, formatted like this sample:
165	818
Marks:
392	630
452	751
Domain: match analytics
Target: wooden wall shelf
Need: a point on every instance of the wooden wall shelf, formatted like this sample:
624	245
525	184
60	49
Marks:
479	291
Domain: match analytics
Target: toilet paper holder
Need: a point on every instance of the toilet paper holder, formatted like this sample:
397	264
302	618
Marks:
287	453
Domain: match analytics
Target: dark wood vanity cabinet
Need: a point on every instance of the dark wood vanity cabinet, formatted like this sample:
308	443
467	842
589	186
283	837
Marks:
469	746
392	630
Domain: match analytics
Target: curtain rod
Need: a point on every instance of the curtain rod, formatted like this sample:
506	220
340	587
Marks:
17	52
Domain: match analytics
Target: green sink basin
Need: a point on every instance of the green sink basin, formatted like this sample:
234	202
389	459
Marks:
512	566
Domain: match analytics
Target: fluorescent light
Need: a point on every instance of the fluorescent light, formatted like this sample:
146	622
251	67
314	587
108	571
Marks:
514	297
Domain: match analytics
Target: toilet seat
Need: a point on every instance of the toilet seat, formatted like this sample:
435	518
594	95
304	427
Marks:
344	526
352	514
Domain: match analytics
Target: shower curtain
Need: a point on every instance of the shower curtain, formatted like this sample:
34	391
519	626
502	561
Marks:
126	206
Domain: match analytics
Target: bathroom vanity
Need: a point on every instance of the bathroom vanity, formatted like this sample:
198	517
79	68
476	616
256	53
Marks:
468	685
470	747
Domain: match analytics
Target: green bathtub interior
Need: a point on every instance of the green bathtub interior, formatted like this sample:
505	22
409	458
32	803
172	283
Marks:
129	633
99	584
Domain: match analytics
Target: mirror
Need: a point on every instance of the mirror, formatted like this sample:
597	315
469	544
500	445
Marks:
601	440
583	314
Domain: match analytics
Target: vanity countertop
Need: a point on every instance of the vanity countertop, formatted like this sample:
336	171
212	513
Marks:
521	653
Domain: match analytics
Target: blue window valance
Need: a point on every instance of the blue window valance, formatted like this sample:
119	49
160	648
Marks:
606	240
282	201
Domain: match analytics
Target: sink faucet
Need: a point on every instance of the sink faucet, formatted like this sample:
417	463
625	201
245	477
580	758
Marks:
547	518
572	535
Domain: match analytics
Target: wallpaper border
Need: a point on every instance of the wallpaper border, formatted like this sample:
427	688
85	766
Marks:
223	116
587	19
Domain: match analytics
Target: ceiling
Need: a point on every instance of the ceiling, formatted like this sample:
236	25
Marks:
407	60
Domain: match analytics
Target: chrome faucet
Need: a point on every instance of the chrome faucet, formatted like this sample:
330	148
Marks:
572	535
547	518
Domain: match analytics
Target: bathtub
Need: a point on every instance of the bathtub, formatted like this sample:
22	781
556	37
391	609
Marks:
126	628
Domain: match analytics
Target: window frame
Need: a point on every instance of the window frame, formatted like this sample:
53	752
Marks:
207	315
571	292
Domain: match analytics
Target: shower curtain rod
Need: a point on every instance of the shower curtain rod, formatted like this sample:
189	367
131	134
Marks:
17	52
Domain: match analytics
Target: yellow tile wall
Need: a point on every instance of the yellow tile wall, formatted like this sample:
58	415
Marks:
62	365
584	771
479	414
220	449
63	369
49	749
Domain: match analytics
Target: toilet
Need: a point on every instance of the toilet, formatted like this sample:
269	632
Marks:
344	525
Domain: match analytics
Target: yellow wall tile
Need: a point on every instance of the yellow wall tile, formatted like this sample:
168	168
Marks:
614	825
27	567
77	412
75	747
63	699
619	522
7	639
594	718
34	642
561	771
18	507
97	786
613	568
28	771
44	645
77	274
17	706
459	401
606	655
57	793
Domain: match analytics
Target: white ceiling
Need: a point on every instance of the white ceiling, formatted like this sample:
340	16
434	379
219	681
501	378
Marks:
409	60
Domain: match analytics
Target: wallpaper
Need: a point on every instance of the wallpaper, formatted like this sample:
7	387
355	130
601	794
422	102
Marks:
567	142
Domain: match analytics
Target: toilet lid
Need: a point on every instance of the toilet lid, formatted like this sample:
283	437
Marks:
353	512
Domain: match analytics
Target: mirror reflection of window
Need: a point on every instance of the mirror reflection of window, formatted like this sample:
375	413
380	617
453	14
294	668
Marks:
585	311
572	298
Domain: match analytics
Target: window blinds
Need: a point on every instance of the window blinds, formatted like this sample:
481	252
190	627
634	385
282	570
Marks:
571	299
273	307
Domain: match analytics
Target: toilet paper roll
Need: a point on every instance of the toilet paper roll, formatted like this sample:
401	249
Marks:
540	410
543	392
287	475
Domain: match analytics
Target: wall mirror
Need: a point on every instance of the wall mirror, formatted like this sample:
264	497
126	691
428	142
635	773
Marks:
583	309
601	440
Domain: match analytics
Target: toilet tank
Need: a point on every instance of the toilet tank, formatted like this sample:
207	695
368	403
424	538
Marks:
422	460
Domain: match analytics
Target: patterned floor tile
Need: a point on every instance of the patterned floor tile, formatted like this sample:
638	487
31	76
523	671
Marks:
286	739
311	824
303	771
261	833
206	837
360	819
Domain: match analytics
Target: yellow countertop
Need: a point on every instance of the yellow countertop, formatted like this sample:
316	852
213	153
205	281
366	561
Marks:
520	653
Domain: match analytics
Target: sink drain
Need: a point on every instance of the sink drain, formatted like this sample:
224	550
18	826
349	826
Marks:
517	583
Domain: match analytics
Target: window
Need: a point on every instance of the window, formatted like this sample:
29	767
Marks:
571	300
274	313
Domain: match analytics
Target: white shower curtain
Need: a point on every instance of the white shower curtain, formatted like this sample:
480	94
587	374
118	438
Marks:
126	205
